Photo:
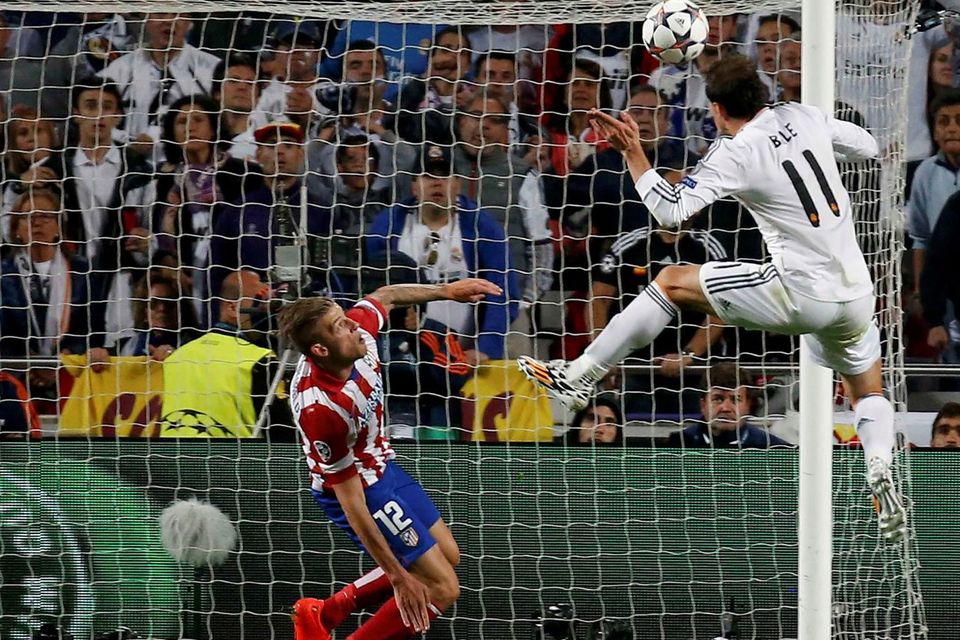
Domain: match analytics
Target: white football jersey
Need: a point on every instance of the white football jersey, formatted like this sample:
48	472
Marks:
781	166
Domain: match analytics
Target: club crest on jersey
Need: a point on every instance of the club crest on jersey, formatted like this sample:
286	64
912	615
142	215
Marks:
410	537
688	182
323	450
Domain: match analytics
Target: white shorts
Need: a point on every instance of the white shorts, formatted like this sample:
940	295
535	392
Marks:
841	335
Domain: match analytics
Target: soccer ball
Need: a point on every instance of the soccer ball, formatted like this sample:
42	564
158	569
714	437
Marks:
675	31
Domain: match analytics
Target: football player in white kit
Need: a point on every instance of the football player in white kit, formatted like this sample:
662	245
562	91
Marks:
779	162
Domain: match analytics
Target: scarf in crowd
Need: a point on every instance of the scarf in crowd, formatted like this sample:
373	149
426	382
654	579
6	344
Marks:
48	300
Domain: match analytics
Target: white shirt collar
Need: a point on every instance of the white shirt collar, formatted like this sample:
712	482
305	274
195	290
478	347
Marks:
112	157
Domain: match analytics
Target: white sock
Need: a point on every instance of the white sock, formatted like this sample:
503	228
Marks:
874	419
633	328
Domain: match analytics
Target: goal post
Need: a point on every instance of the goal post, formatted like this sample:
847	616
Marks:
815	497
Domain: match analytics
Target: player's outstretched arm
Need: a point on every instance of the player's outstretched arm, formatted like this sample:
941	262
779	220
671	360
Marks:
413	598
466	290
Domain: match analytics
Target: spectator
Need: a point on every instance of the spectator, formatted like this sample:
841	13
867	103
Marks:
940	280
248	231
153	76
163	318
236	89
402	45
87	48
359	191
935	180
630	265
224	397
941	71
726	404
945	433
525	43
601	423
496	77
107	193
292	91
507	189
787	77
21	75
45	300
451	238
195	178
772	30
30	141
427	103
426	369
360	104
569	135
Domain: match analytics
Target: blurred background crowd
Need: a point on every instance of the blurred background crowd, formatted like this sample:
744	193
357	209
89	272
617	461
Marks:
168	180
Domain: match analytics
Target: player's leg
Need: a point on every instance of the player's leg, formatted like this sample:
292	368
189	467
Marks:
435	571
676	287
854	352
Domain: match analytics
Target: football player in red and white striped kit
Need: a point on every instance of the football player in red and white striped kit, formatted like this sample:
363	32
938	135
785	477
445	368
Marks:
337	402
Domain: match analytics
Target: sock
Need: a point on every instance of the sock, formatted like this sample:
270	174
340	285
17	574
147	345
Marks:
368	590
874	420
386	624
633	328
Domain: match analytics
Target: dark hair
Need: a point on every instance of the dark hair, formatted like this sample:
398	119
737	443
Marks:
357	140
637	89
728	375
573	432
445	31
234	59
733	83
494	54
94	83
948	410
781	19
946	98
363	45
173	149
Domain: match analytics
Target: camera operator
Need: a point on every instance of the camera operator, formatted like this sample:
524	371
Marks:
262	226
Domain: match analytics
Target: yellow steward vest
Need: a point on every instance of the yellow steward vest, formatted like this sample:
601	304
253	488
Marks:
206	388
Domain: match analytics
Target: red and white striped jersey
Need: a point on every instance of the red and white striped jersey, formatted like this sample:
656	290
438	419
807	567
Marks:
341	421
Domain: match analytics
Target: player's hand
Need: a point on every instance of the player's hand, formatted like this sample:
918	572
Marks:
622	134
938	338
413	600
470	290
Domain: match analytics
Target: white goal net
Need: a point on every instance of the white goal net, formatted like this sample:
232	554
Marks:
173	171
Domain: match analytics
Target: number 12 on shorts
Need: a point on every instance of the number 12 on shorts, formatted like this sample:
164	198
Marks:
391	516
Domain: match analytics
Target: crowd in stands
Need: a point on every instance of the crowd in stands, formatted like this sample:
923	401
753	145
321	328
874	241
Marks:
167	180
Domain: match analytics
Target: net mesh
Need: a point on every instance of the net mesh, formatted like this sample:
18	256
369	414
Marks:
167	194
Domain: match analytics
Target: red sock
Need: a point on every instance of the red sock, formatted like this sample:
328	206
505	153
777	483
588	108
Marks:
368	590
386	624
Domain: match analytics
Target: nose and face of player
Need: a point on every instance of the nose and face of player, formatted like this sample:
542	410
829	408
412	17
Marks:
725	409
341	343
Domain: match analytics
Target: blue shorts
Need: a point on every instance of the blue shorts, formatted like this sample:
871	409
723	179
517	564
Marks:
401	508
